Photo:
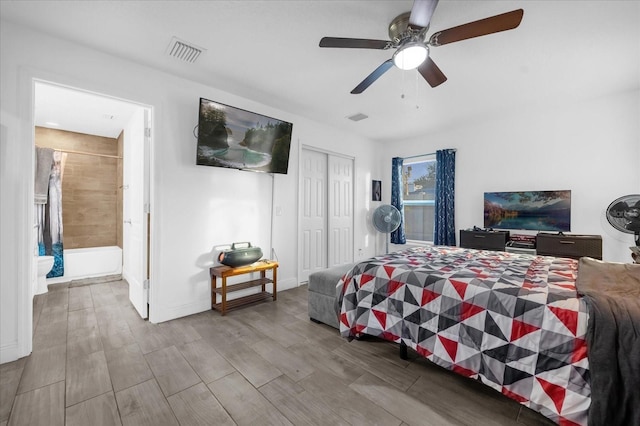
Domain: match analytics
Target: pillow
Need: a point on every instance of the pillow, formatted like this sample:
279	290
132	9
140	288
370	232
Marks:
611	277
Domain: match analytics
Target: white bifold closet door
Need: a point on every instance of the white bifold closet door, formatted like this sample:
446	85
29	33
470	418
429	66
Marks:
326	189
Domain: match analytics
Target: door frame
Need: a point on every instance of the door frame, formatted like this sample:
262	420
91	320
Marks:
148	165
21	126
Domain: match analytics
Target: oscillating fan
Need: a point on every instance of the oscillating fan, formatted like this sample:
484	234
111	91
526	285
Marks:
386	219
624	215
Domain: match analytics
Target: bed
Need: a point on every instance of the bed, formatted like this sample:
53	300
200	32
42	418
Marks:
515	322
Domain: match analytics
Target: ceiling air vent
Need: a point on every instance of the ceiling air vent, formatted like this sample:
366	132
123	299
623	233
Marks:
183	50
357	117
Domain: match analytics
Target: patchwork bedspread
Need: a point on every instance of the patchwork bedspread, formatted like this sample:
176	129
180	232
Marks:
513	321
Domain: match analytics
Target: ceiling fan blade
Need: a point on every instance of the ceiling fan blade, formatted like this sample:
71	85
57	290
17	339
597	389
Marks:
430	71
384	67
493	24
357	43
421	13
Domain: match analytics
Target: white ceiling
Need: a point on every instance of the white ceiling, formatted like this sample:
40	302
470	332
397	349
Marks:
268	51
62	108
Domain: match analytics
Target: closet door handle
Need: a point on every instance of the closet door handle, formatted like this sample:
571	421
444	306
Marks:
127	221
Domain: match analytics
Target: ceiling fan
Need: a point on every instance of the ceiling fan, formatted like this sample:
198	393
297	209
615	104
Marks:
408	33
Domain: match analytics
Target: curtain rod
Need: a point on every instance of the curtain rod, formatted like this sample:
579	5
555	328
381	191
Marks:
84	153
424	155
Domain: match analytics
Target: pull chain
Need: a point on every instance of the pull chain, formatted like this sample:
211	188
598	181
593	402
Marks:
416	91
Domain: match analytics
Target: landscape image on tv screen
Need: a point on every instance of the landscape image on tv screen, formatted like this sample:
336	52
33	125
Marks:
531	210
235	138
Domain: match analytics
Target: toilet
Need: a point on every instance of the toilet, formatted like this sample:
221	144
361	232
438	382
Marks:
45	264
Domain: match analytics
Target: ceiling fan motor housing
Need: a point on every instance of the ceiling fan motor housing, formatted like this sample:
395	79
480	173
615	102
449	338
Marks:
399	30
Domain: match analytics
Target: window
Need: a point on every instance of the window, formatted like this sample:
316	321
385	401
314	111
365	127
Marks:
419	193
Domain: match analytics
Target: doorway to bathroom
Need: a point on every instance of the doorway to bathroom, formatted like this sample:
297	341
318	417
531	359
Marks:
103	147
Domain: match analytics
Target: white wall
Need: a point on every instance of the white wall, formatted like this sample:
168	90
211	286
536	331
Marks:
193	207
591	147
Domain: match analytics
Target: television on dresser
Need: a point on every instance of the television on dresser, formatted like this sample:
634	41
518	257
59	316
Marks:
235	138
528	210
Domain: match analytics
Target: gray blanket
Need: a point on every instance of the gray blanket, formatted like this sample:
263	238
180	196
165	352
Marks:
612	292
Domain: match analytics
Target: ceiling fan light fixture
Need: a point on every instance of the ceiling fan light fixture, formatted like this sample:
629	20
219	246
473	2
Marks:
410	55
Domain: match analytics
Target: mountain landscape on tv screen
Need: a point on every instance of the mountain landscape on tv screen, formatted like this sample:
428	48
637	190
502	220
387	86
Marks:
533	210
235	138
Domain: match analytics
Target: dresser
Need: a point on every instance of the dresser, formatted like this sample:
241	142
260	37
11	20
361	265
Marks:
572	246
484	240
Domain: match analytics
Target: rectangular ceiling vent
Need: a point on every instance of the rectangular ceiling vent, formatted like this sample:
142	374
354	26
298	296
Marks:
357	117
183	50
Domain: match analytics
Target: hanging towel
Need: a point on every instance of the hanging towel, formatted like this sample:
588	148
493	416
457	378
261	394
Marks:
44	160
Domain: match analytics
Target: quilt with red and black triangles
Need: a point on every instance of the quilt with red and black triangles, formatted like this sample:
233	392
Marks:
512	321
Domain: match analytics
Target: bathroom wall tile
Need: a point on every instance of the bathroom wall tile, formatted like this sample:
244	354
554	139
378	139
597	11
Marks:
89	186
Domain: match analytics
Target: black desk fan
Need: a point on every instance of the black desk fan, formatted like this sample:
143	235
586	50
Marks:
624	215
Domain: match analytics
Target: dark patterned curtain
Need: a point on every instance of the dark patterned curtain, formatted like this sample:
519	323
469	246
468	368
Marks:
397	236
445	229
49	218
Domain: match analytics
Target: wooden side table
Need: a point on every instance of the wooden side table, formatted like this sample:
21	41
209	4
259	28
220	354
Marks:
225	272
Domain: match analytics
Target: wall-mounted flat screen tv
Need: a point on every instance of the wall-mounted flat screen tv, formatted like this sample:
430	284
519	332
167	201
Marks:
234	138
531	210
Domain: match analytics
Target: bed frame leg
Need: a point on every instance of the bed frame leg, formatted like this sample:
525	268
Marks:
403	351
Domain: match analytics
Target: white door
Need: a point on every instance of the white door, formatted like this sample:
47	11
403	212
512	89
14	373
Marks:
326	194
340	211
313	238
136	209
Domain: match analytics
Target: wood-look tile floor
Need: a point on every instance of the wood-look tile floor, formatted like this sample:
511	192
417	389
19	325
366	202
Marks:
95	362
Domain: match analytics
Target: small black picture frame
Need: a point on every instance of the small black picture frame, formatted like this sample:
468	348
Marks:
376	190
